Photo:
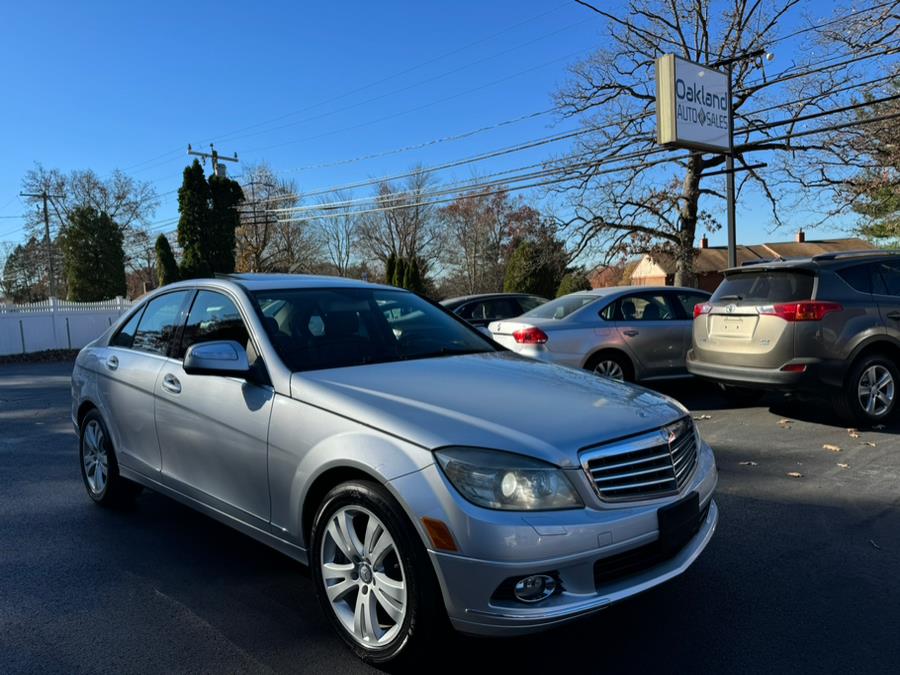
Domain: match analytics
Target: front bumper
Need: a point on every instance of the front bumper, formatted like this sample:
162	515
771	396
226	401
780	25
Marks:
496	546
471	578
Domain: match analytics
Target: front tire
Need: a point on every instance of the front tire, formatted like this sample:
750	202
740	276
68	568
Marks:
372	575
99	468
869	392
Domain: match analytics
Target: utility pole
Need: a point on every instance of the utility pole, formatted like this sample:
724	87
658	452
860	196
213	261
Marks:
729	156
44	196
214	155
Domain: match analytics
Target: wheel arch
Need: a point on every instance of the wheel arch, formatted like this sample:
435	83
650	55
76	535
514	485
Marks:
874	345
83	409
321	485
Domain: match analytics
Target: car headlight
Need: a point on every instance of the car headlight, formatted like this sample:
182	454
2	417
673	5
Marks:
503	480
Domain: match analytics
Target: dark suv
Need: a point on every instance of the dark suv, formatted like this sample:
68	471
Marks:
826	324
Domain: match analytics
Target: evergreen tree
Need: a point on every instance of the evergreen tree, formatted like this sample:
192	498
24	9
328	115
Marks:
416	282
531	270
399	276
225	196
94	256
166	267
573	282
193	224
389	267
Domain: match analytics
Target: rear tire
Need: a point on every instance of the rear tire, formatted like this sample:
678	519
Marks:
609	364
382	598
869	392
99	468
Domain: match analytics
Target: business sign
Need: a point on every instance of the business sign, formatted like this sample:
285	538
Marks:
693	106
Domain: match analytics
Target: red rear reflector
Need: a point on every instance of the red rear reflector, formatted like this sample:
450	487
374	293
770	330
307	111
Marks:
703	308
530	336
809	310
794	368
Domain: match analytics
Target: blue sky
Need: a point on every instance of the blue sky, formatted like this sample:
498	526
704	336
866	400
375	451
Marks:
117	84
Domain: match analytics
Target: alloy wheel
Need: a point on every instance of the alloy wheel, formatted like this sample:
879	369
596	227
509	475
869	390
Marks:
876	390
363	576
94	457
610	369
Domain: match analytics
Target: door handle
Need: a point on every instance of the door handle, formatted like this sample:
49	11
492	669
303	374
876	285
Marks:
171	384
631	333
894	315
112	362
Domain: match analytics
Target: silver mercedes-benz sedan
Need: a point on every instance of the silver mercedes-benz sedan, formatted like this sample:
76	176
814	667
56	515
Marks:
383	441
630	333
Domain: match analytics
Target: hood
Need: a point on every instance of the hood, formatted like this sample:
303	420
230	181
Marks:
497	400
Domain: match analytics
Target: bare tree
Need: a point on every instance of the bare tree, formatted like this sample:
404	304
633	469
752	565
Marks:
406	226
625	200
338	232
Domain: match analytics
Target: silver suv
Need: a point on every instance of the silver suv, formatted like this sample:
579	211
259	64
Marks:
393	448
826	324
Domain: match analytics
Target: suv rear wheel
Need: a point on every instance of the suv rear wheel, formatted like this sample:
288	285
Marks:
869	392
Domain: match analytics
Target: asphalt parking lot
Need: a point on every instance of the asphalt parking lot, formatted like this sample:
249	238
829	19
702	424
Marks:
803	574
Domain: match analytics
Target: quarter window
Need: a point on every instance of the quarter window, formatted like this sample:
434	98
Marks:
213	316
887	281
160	321
859	277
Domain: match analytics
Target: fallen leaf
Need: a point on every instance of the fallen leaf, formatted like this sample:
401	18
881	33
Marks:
749	463
794	474
785	422
877	547
853	433
871	444
702	417
843	466
831	448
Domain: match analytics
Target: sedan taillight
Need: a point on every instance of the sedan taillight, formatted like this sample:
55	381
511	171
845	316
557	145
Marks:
702	308
530	336
808	310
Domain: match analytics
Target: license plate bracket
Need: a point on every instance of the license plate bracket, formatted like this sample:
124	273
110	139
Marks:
678	522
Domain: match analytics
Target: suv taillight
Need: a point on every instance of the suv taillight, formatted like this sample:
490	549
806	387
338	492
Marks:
530	336
703	308
808	310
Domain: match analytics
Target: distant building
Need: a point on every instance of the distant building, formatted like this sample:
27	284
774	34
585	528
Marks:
658	269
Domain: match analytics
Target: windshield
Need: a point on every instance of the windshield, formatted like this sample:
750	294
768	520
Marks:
561	307
317	328
765	286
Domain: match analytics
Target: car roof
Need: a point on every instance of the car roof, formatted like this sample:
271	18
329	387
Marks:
483	296
260	282
610	290
838	258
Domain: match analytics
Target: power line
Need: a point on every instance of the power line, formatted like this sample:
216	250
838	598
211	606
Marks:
364	87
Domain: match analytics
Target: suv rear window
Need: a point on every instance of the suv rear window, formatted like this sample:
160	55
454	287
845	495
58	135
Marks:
765	286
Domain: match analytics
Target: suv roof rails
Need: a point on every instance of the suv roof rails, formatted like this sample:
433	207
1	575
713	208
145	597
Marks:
853	254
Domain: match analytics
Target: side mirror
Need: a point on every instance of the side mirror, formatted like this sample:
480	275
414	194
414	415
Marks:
225	357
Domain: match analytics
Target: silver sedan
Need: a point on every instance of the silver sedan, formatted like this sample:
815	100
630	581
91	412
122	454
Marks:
631	333
381	440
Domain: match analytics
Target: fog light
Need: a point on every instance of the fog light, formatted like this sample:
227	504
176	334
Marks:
535	588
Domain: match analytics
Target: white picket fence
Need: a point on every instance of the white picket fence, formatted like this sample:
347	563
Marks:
55	324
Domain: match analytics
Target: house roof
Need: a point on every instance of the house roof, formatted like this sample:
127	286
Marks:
715	258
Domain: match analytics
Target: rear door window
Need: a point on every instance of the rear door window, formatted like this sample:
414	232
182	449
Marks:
765	286
530	302
887	278
646	307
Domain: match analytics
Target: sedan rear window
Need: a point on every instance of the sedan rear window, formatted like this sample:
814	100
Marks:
561	307
765	286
